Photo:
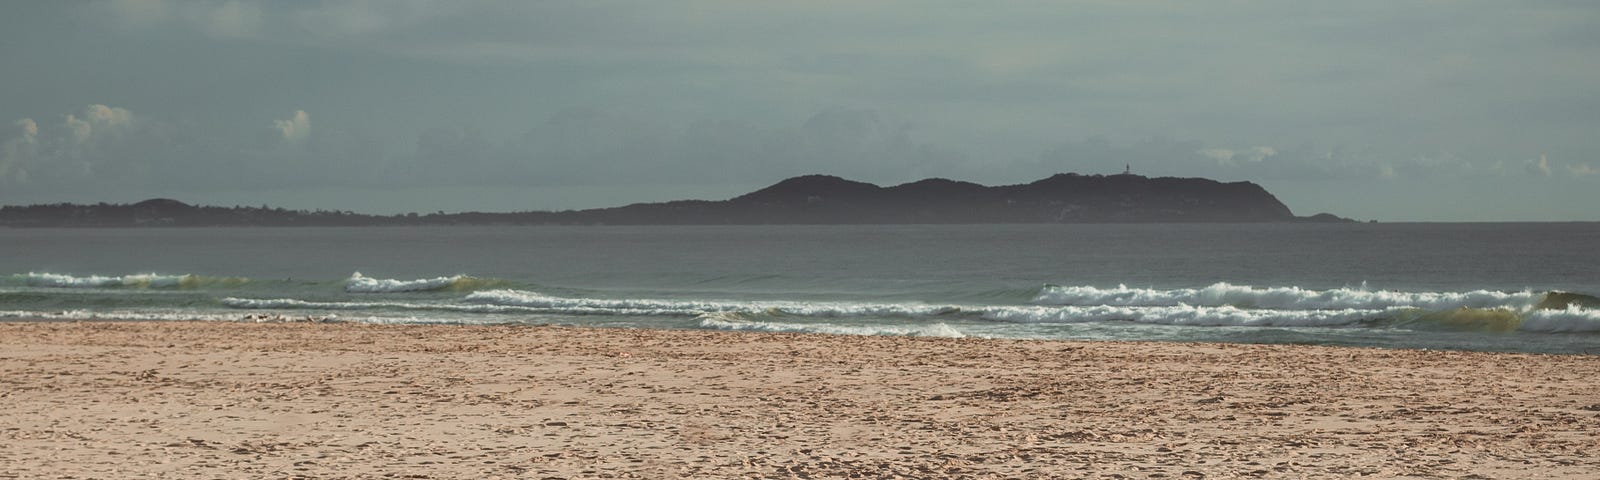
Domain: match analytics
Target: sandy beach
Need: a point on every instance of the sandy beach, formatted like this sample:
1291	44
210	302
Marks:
286	400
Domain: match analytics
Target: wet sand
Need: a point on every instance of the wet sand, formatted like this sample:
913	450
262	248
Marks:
246	400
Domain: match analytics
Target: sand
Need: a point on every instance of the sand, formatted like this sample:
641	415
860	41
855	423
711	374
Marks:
244	400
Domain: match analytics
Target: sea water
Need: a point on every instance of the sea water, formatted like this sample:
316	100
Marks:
1493	287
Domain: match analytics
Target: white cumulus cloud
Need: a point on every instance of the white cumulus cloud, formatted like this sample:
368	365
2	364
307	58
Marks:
81	144
98	120
108	116
296	129
81	130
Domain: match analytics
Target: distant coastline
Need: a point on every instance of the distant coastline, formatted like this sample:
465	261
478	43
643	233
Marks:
804	200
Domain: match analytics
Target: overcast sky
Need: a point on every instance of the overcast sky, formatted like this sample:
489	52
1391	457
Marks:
1389	110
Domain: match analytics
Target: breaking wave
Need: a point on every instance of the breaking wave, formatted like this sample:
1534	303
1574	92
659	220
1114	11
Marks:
297	304
721	322
143	280
1296	298
1226	315
146	297
358	283
769	316
111	315
525	298
1573	318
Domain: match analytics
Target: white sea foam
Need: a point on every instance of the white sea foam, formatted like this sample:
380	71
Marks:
146	316
718	322
145	280
297	304
291	303
362	284
114	315
1295	298
1571	319
697	307
1225	315
524	298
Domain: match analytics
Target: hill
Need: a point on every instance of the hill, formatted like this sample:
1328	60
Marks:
1062	198
810	199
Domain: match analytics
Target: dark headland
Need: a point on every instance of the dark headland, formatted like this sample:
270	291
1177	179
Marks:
810	199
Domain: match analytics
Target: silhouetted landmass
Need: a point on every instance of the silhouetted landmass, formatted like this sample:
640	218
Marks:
162	212
811	199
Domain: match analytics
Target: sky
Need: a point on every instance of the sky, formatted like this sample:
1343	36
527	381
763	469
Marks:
1388	110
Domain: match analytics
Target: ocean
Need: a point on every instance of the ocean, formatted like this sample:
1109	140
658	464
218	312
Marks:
1527	287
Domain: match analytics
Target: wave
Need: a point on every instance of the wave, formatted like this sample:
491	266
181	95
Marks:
190	316
718	322
143	280
525	298
1226	315
1245	296
358	283
297	304
112	315
292	303
1562	300
501	306
1219	305
1571	319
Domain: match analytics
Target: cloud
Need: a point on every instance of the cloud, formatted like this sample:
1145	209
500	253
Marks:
90	150
1219	154
1541	167
30	130
18	150
97	122
109	116
104	152
1257	154
1230	157
296	129
81	130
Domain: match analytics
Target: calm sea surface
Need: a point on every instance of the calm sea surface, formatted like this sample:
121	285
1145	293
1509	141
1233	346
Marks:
1442	286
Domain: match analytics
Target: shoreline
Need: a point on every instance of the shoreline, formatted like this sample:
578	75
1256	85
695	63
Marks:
278	318
268	400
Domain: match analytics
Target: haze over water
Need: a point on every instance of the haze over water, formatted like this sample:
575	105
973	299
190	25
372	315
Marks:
1443	286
